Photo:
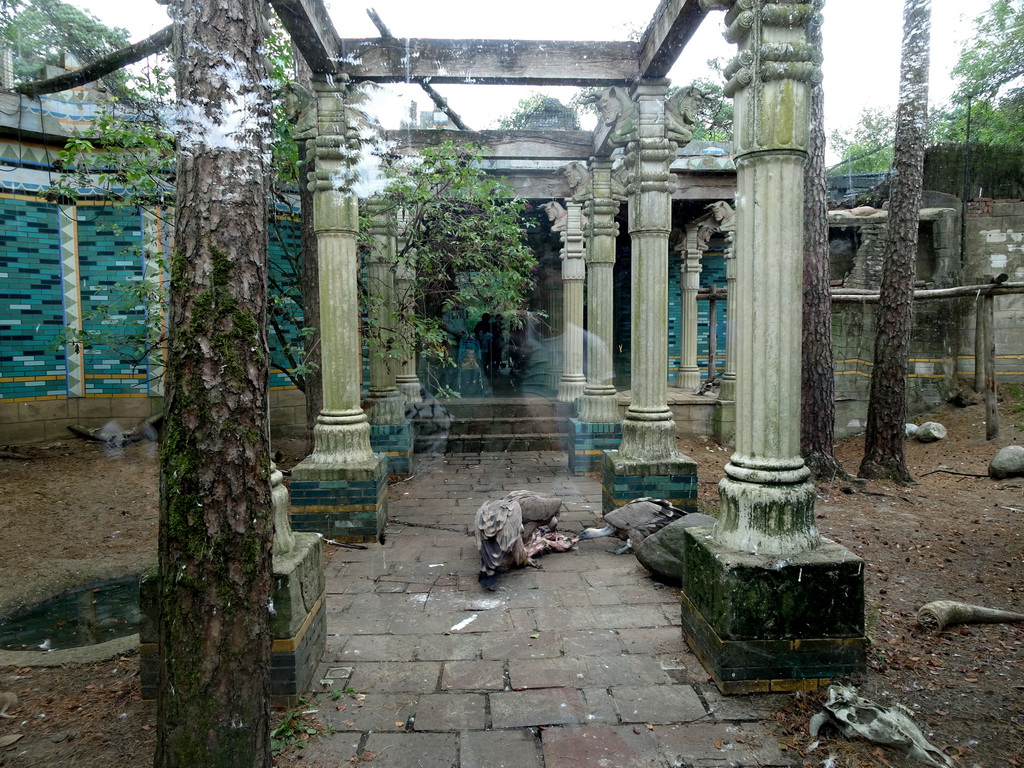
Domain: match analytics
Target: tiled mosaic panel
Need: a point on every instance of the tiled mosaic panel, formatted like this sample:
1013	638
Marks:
284	249
31	307
109	242
110	254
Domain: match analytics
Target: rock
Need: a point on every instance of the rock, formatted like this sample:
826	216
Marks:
930	431
1009	462
661	553
910	429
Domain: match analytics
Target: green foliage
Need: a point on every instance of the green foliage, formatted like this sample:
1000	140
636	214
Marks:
990	78
296	728
129	159
40	31
868	147
539	111
463	238
994	59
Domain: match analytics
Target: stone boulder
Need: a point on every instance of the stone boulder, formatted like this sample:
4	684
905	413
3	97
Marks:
661	553
1009	462
929	432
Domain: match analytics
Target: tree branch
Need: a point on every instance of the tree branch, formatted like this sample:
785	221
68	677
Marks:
439	101
99	68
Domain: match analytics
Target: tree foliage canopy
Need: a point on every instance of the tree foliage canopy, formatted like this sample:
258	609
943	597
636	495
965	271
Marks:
40	32
461	233
990	79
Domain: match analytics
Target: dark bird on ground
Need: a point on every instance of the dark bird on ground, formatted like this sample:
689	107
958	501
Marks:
510	531
635	521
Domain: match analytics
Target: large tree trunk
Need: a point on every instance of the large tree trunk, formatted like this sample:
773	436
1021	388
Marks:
215	501
310	285
817	408
887	407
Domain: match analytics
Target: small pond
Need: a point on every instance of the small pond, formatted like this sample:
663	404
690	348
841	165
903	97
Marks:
86	616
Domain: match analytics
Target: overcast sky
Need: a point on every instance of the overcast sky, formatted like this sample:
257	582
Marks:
861	44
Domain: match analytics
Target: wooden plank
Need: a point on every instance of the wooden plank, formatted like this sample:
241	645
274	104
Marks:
539	145
502	62
312	31
671	28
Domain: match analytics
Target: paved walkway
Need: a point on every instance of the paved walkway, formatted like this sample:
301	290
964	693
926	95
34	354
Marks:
579	664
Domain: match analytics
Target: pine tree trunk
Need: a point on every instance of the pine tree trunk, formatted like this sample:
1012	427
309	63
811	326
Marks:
887	407
215	501
817	408
310	285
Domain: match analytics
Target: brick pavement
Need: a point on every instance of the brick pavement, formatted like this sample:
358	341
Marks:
579	664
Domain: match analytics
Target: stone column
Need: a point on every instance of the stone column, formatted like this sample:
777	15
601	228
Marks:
598	428
724	419
572	381
728	390
390	431
649	430
747	586
405	275
336	479
647	462
598	404
387	406
689	373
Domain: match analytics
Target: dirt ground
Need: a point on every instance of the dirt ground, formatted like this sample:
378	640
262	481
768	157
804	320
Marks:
74	512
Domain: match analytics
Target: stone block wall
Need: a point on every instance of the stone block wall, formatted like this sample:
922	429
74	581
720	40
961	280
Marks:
995	239
942	337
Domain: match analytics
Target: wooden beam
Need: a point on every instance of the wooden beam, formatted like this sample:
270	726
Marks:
501	62
312	32
536	145
671	28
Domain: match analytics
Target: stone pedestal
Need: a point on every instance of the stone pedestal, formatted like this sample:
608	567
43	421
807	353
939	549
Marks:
723	421
589	441
396	442
346	503
298	624
761	623
624	478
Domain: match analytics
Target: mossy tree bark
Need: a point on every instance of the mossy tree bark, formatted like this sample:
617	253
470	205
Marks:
313	378
818	408
887	407
215	501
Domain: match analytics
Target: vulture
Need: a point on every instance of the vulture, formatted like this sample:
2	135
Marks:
511	530
635	521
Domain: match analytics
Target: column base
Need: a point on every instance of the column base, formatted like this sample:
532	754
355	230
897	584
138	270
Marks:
723	421
589	441
624	479
396	441
760	624
347	503
298	624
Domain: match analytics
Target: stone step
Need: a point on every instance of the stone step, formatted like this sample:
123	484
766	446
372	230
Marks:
490	443
507	426
468	425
